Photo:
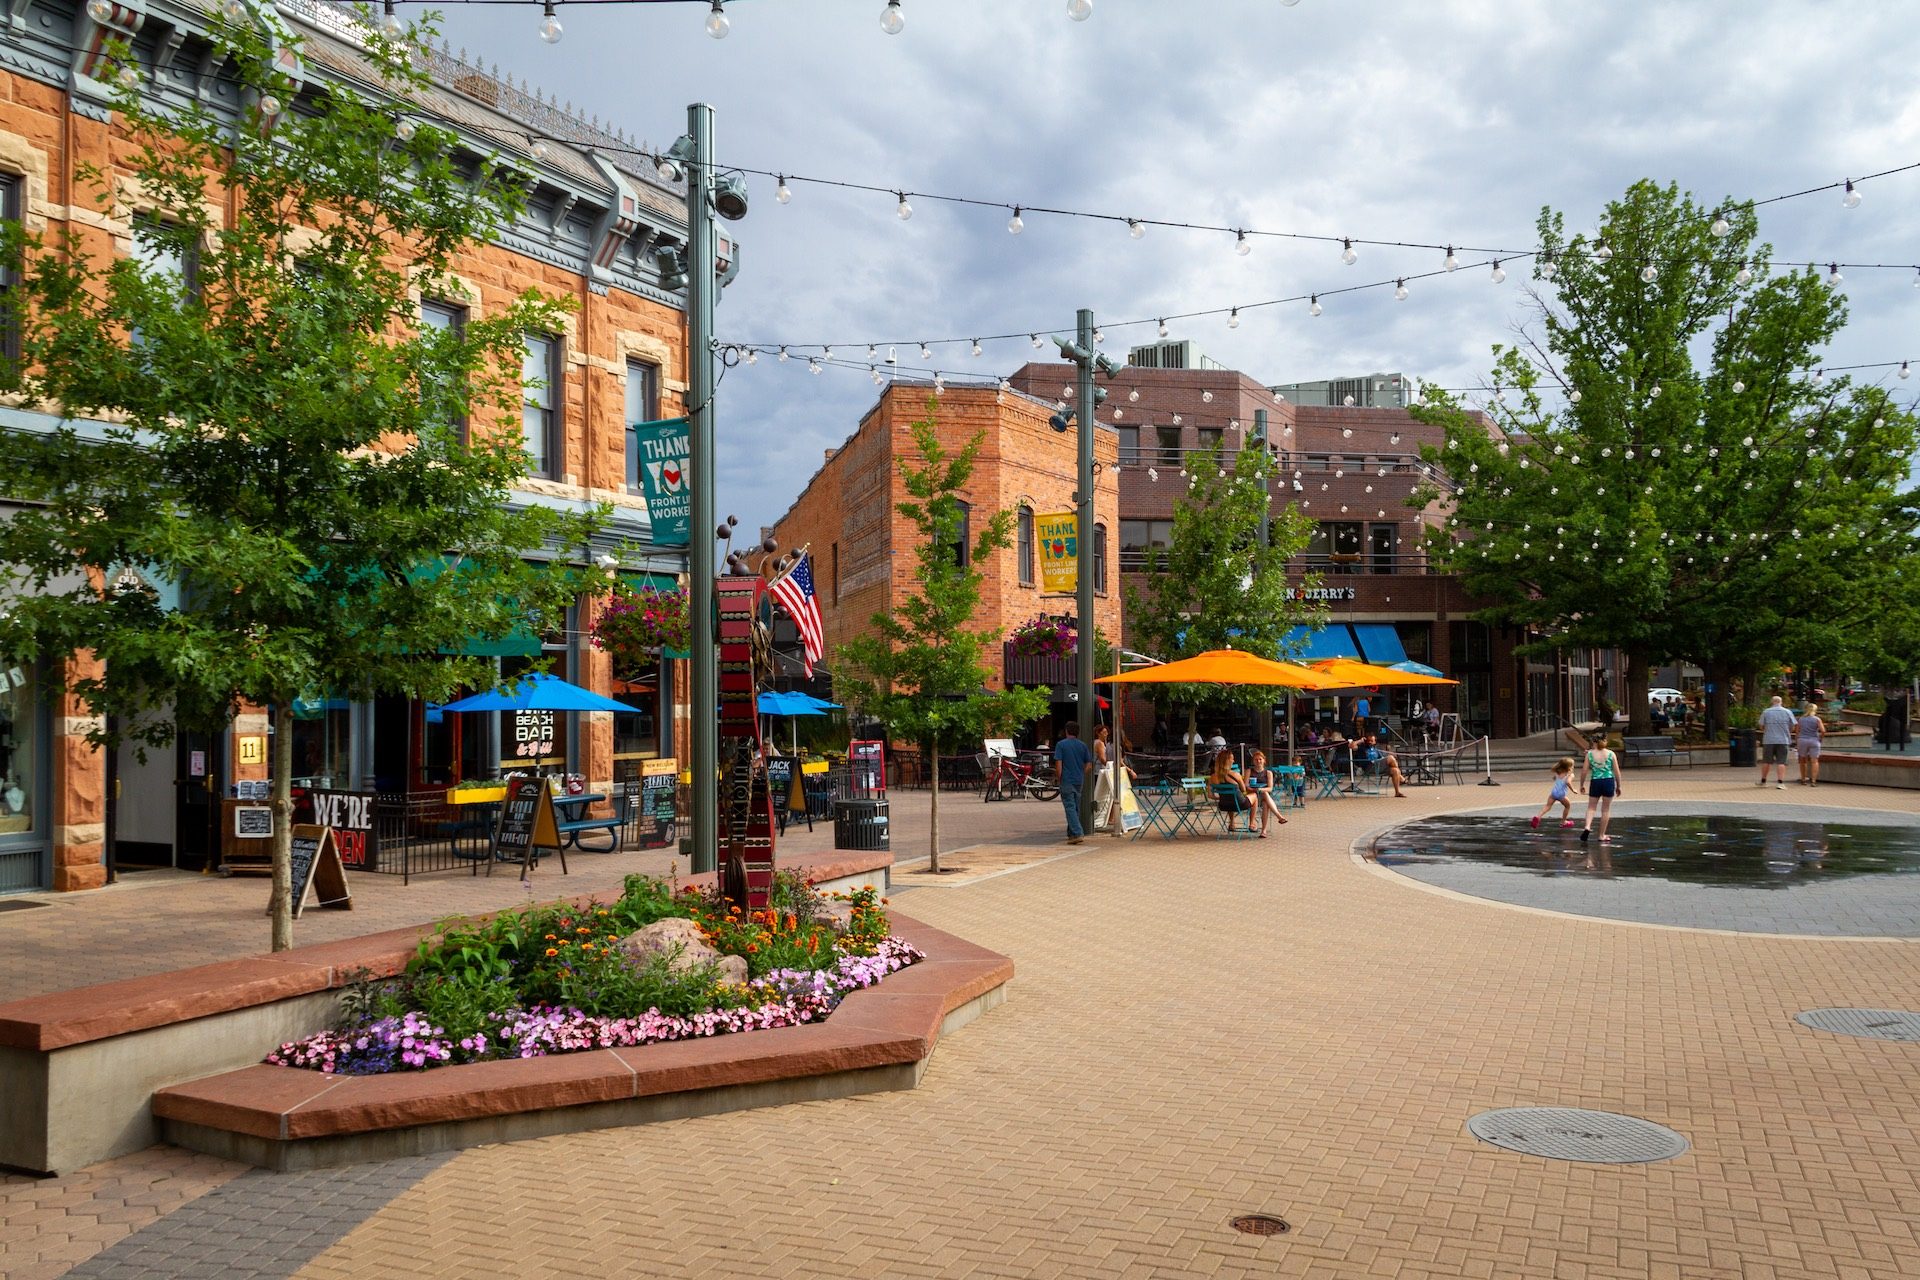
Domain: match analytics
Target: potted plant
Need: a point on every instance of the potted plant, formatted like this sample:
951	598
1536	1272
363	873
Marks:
1044	637
1741	723
638	622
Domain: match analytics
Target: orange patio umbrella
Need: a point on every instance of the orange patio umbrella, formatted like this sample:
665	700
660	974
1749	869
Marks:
1227	666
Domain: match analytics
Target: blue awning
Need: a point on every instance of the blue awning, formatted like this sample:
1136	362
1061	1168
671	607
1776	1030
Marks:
1381	643
1331	641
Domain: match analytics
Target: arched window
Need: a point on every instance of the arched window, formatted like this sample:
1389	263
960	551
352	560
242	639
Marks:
1100	559
1025	545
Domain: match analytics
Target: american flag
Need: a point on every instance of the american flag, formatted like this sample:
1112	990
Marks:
795	593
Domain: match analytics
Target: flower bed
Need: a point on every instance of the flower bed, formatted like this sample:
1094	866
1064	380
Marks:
547	980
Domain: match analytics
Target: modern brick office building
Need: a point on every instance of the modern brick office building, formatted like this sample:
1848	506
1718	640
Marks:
596	216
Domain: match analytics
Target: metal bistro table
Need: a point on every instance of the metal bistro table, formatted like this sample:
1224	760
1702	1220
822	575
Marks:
1170	809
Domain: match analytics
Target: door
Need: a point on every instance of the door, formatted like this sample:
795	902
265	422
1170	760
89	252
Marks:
26	853
198	785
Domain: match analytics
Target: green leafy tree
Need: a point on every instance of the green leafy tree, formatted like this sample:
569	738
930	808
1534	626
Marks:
919	667
281	438
1217	585
1660	469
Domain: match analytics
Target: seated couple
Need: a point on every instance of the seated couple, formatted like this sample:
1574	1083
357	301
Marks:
1255	790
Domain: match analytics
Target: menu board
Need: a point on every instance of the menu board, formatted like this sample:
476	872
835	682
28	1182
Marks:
317	867
526	824
656	818
867	764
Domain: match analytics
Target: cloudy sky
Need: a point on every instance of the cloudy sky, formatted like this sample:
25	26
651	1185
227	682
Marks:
1413	120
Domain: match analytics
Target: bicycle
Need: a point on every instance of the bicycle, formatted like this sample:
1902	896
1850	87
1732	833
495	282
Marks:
1007	778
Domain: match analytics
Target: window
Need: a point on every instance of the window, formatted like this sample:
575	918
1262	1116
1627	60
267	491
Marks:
1335	545
1380	548
963	543
1169	440
9	321
833	574
1100	559
540	389
162	249
1137	537
1211	437
1129	445
444	318
643	405
1025	524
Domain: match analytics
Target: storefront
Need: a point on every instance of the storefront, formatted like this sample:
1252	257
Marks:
26	844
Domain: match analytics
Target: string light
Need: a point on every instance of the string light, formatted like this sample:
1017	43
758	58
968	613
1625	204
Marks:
1347	255
1313	307
1037	344
550	28
891	19
1499	273
717	24
1079	10
782	192
1136	228
926	352
1241	245
1548	267
1744	275
389	21
1163	323
1233	318
1721	228
1904	371
1452	262
904	209
1851	200
540	149
1649	272
1015	224
783	355
1834	278
976	348
404	129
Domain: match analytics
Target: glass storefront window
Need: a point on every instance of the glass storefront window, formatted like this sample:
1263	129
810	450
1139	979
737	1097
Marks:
321	737
19	752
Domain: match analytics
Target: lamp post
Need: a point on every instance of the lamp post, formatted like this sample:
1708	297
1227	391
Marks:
1081	354
1259	441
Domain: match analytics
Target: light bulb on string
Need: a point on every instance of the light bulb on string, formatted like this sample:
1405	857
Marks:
873	352
1035	338
1079	10
404	129
1135	228
891	19
540	149
1834	278
904	209
101	11
1738	386
753	357
1851	200
1499	273
1016	224
1098	337
926	352
1313	305
1163	328
1904	371
782	192
390	22
1744	275
1241	245
717	24
813	366
1819	377
1573	397
1452	262
1233	318
550	28
976	348
1206	397
1721	228
1400	290
1347	254
269	105
1649	272
873	371
1548	267
783	355
1133	396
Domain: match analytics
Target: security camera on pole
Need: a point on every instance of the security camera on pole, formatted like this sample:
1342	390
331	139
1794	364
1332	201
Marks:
1081	354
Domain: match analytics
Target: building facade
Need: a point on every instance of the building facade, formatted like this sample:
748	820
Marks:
863	555
590	233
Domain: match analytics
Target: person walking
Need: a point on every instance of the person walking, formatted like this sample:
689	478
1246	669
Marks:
1602	770
1776	735
1562	781
1808	733
1361	708
1071	764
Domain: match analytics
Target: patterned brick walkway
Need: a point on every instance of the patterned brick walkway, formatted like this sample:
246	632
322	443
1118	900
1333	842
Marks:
1204	1029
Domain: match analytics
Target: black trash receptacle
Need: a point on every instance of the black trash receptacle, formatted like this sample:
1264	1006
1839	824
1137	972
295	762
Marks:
1740	752
860	824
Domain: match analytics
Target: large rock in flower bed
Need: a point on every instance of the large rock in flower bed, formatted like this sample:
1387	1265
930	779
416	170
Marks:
680	938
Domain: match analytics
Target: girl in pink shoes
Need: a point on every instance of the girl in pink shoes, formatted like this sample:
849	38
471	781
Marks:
1562	782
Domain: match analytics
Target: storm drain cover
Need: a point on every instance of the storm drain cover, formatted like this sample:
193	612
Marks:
1563	1133
1261	1224
1869	1024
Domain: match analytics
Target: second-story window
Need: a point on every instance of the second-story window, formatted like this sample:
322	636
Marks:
9	300
1100	559
164	250
540	413
1211	437
643	405
1169	441
1025	545
1129	445
445	318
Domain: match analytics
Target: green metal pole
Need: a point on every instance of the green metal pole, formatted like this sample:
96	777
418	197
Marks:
1089	703
705	693
1259	441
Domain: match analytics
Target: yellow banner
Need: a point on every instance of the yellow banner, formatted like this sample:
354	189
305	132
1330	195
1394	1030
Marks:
1059	537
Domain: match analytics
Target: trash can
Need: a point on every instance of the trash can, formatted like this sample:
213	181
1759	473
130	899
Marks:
1740	752
860	824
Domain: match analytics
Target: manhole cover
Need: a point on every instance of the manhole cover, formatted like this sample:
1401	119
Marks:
1563	1133
20	906
1868	1024
1261	1224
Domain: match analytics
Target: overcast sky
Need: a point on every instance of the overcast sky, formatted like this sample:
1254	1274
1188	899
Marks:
1422	120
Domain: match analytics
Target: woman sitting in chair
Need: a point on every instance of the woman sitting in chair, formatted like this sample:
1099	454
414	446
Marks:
1260	783
1236	801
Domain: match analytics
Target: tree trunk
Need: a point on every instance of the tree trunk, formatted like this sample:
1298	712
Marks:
1639	713
1750	685
933	840
1716	704
1193	728
281	905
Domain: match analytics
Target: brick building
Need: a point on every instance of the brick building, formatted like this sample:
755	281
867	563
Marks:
1351	469
590	233
863	560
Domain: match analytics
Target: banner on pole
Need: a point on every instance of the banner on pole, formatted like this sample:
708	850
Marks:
1059	537
662	453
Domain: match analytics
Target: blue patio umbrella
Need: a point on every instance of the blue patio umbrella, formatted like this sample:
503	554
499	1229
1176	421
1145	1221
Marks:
538	692
1413	668
793	703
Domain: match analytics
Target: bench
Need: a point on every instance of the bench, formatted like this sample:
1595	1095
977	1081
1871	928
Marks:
1655	748
570	832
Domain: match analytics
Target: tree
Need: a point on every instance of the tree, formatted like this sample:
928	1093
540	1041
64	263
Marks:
919	667
1669	503
1217	584
281	437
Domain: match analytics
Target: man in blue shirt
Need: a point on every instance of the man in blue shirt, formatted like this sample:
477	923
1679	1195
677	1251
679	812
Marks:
1776	735
1071	761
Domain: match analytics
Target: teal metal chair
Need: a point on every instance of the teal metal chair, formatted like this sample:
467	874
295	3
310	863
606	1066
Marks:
1232	806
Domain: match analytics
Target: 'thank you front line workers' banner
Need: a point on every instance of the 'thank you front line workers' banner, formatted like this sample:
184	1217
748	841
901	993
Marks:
1059	538
663	452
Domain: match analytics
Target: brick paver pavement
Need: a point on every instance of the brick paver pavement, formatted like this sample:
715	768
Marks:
1201	1029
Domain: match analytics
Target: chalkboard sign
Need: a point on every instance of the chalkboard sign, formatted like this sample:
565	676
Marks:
656	816
867	767
526	825
317	869
252	822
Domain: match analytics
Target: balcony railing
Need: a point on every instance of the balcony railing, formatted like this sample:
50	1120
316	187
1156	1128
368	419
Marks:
1406	563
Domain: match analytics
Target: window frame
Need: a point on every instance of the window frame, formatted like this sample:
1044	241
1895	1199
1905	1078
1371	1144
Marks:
649	375
1170	454
1099	559
963	548
551	467
1024	543
457	325
12	193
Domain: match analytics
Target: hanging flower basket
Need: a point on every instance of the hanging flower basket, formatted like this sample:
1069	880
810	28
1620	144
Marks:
1044	637
638	623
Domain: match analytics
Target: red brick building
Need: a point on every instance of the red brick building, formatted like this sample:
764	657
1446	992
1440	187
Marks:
863	559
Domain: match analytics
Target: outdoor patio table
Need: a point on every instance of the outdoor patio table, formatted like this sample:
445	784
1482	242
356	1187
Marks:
1170	810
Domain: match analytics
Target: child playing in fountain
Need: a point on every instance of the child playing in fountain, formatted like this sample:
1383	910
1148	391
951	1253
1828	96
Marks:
1562	780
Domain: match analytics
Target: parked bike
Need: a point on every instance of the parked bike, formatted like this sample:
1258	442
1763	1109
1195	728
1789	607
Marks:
1005	779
